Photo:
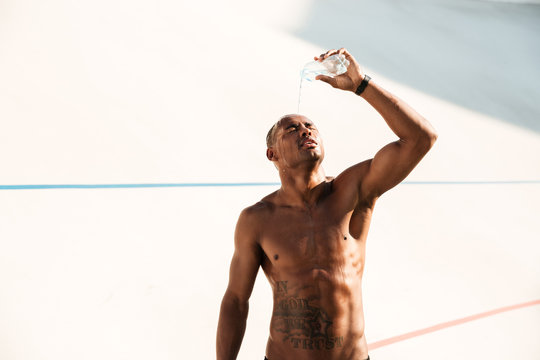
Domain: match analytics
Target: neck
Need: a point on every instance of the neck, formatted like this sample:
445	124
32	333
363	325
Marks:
300	186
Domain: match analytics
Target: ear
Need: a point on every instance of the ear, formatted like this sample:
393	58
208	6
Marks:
270	154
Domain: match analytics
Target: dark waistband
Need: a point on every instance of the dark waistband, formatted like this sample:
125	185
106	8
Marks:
265	358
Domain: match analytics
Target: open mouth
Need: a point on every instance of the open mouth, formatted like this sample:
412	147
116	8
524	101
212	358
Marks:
308	143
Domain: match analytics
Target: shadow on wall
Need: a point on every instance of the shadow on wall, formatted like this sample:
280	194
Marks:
480	55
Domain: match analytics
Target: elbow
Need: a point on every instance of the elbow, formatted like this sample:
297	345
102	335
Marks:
426	141
432	137
429	135
232	302
424	136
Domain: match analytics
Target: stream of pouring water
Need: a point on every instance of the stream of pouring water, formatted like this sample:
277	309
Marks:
305	74
334	65
300	93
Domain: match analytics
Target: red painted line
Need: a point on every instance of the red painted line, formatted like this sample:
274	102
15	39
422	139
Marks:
444	325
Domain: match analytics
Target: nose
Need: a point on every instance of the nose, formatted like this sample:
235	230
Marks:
306	132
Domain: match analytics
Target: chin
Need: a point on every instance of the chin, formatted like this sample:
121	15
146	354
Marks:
315	155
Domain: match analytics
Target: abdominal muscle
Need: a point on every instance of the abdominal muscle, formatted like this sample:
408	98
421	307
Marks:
317	315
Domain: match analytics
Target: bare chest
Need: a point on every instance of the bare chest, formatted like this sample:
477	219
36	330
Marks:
320	236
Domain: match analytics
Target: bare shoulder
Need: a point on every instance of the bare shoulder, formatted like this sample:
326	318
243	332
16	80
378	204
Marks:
355	172
253	217
349	182
261	207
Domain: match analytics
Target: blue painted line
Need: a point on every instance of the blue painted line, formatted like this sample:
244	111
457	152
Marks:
241	184
123	186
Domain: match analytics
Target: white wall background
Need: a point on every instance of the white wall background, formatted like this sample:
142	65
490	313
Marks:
109	92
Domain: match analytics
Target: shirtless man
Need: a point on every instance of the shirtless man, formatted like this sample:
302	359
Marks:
309	236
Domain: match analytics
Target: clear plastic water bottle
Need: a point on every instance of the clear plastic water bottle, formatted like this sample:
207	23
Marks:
331	66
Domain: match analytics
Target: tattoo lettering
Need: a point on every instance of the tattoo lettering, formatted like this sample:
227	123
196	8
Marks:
305	325
282	287
318	343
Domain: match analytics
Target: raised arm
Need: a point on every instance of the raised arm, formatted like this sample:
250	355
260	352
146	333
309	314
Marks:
243	271
397	159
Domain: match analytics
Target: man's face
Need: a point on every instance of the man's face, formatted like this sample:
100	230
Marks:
297	141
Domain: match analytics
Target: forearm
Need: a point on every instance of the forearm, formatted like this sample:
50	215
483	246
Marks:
231	327
404	121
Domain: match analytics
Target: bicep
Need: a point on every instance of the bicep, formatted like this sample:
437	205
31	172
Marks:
391	165
245	261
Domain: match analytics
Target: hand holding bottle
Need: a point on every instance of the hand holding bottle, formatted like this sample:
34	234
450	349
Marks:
348	81
331	66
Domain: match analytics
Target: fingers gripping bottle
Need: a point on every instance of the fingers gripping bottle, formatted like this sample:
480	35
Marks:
331	66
